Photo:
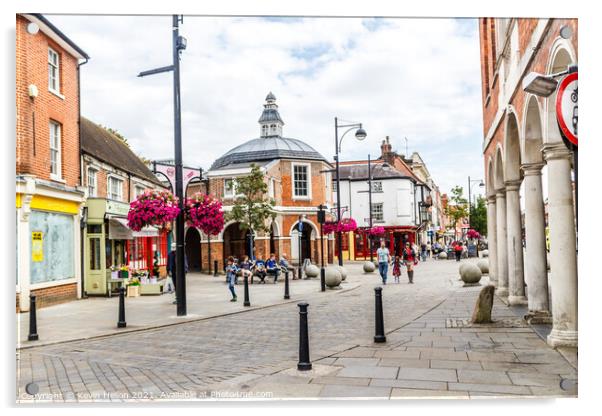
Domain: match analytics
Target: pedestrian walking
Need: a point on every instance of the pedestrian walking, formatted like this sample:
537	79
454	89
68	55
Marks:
171	268
458	250
384	258
409	260
423	252
429	249
231	271
397	268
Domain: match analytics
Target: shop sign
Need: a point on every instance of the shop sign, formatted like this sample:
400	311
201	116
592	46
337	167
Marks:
37	246
116	207
566	108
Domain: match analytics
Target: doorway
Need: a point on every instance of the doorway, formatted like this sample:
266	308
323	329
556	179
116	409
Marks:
193	249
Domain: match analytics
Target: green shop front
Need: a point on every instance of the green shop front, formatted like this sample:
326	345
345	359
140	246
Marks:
113	252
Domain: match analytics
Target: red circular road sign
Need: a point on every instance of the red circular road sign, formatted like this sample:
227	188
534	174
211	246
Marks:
566	107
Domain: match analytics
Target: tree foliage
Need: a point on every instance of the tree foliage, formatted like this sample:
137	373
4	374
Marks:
457	208
478	216
252	209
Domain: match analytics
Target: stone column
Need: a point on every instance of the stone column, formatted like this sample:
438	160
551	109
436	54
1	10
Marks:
563	253
516	274
492	239
502	245
536	270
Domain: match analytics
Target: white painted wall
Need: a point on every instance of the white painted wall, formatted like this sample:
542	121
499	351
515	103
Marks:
399	205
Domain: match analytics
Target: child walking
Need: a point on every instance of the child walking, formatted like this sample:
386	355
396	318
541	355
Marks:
396	268
231	271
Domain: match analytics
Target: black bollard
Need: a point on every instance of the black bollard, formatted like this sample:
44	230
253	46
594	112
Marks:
121	322
215	267
378	316
286	291
247	302
323	279
33	322
304	363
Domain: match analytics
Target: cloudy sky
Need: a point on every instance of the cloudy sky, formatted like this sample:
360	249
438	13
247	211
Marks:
414	78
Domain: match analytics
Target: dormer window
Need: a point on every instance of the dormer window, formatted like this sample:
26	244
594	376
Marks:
264	130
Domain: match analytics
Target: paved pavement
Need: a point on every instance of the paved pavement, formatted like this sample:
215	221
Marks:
431	350
207	296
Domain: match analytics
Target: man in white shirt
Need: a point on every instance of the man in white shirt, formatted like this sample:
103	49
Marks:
384	258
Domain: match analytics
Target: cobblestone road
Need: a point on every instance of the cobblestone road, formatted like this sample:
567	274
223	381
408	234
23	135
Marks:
191	356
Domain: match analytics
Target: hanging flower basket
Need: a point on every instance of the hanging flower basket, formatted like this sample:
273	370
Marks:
152	208
376	231
205	213
473	234
346	225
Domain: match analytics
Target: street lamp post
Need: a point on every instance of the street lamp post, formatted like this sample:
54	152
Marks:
385	166
321	220
481	184
360	134
300	227
178	45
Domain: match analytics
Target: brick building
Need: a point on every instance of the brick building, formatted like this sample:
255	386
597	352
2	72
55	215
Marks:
48	192
521	136
295	182
114	176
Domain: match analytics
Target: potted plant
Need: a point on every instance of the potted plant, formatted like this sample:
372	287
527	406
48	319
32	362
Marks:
133	288
153	207
124	272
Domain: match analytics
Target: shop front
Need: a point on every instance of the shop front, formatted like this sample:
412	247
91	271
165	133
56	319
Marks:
113	252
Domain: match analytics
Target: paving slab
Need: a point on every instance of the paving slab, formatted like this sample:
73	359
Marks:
368	371
429	374
482	376
403	393
404	362
410	384
490	388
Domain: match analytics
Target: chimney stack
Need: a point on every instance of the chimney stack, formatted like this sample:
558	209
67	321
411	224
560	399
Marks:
386	152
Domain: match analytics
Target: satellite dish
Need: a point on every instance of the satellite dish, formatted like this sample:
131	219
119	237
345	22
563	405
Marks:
32	28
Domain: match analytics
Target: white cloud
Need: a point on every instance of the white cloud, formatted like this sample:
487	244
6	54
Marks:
418	78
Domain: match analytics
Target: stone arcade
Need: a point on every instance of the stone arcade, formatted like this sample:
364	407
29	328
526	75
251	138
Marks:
521	137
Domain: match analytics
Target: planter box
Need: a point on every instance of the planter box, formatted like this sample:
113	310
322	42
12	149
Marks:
152	288
133	291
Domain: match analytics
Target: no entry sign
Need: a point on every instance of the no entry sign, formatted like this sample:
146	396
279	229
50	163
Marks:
566	107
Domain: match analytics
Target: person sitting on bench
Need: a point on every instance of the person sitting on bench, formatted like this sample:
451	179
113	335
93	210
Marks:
259	270
245	268
272	267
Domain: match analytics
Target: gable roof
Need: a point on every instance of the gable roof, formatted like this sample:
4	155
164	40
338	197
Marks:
105	146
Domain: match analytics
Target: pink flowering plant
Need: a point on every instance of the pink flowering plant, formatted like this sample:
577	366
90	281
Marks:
344	226
205	213
378	230
473	234
152	208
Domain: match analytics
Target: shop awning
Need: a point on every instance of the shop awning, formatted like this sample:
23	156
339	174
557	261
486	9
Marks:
119	230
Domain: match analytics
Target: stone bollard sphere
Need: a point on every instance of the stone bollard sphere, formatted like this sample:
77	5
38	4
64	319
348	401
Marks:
471	274
369	267
342	271
485	253
332	277
462	267
442	255
312	271
484	266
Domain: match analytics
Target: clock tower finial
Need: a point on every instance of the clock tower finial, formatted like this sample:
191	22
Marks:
270	121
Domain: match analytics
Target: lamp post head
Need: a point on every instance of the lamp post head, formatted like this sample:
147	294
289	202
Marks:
481	184
360	134
540	85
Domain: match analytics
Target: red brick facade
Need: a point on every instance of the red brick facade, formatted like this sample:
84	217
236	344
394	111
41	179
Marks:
33	143
490	75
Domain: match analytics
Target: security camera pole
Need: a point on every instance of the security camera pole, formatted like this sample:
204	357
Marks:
179	44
